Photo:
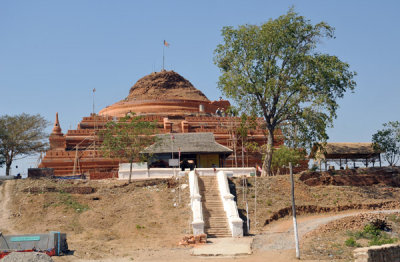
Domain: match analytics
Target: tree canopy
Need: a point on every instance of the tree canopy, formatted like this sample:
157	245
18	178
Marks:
126	138
21	135
275	71
387	140
285	155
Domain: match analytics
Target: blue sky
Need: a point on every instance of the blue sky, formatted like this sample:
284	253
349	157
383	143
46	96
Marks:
53	53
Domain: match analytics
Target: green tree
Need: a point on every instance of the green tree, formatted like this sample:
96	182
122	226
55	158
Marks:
387	141
20	136
276	71
285	155
243	129
126	138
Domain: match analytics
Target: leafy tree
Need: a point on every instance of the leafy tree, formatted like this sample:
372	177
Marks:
387	141
20	136
285	155
245	126
127	138
276	71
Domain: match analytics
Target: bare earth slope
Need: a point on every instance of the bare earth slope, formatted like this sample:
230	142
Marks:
112	221
116	220
5	216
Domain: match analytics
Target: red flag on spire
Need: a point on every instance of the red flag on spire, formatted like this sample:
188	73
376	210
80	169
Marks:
166	43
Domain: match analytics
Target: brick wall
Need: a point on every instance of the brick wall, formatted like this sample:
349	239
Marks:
103	175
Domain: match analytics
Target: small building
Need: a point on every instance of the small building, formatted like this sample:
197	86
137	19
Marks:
343	153
190	149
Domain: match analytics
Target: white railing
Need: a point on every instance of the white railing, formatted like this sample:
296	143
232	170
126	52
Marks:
233	171
195	203
235	222
144	173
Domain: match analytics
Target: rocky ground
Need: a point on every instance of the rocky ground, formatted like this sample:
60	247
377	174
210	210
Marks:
27	257
329	241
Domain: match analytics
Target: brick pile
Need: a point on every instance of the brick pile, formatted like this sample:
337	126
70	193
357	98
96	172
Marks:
193	240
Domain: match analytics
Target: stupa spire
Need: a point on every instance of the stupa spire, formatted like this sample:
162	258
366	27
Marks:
56	128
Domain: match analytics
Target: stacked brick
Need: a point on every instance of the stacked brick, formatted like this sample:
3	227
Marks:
193	240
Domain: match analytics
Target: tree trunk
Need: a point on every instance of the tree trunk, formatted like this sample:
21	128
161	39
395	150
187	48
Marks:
130	171
266	170
8	168
242	153
234	148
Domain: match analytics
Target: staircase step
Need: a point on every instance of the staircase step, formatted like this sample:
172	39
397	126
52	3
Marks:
218	233
216	222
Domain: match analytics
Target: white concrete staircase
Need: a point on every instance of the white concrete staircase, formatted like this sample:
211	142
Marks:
215	220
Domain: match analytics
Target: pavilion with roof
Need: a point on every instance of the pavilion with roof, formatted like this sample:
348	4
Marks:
343	153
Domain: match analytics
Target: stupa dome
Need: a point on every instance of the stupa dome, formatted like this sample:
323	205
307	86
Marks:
164	93
164	85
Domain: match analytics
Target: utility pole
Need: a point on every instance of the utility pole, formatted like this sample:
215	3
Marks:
296	235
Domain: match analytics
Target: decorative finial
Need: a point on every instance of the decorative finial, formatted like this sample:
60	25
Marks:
57	128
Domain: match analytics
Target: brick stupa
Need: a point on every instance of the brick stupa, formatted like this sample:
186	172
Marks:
165	97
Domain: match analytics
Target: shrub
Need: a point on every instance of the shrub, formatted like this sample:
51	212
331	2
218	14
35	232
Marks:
351	242
377	241
381	225
139	227
373	232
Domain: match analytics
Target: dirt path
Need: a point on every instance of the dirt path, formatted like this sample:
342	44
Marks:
5	223
279	236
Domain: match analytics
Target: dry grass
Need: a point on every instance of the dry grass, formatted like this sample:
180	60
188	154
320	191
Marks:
117	218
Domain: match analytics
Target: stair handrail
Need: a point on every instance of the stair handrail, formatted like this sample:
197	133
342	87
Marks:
195	203
230	207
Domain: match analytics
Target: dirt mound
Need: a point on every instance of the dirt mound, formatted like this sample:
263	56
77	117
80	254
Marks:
164	85
120	219
27	257
353	177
